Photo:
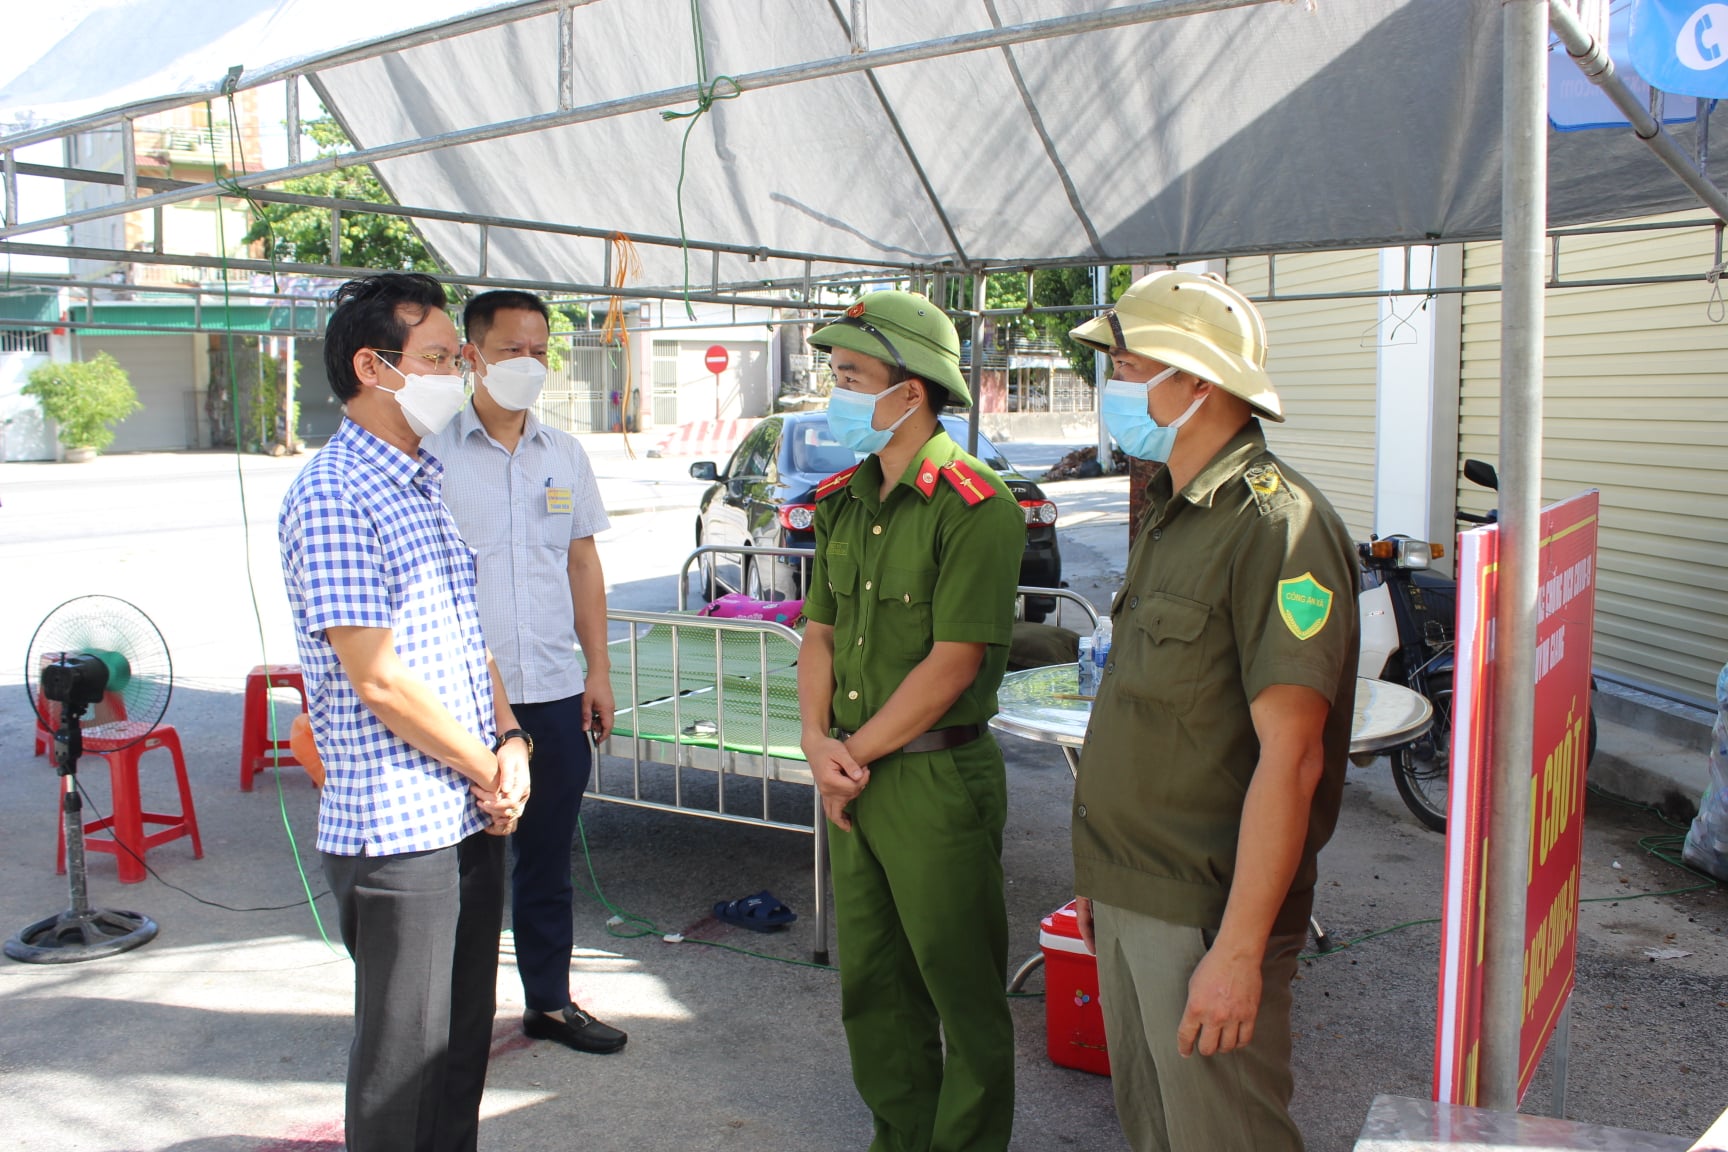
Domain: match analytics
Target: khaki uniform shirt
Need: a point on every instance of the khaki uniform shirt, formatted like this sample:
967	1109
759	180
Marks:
1245	579
893	576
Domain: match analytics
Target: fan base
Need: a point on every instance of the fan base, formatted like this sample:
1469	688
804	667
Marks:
72	936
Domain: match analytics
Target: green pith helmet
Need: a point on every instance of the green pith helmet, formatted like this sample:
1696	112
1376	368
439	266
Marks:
905	330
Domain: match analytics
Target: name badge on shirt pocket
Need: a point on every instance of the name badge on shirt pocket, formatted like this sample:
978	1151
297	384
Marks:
558	502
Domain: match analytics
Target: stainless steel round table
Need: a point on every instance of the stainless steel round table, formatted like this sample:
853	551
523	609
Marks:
1044	704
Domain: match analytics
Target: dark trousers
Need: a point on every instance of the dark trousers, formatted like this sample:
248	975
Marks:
422	928
540	887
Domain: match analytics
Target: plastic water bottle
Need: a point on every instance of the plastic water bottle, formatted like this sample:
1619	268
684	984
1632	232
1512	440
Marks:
1088	670
1100	652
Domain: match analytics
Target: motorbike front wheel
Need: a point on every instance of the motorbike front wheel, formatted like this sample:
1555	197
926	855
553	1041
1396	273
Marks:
1422	769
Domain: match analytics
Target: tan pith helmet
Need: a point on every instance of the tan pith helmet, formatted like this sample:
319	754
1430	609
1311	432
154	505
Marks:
1196	323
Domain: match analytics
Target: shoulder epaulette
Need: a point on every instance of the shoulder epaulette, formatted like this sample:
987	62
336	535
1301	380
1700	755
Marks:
973	488
926	482
834	483
1268	486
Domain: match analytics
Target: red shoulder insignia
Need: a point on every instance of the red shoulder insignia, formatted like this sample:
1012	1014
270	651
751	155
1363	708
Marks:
926	482
834	483
973	488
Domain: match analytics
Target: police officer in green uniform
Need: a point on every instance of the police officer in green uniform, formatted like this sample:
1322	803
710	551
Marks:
910	610
1214	765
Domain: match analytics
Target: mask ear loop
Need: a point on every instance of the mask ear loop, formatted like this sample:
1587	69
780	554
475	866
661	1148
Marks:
379	356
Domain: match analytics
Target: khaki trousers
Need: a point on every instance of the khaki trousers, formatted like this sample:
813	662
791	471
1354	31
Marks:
1232	1102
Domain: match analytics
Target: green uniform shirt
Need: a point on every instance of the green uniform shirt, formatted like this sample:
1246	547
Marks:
1245	579
894	576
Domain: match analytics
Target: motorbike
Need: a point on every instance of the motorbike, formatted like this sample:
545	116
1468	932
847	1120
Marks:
1408	614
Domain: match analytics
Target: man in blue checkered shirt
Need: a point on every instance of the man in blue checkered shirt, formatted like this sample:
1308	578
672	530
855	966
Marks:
425	768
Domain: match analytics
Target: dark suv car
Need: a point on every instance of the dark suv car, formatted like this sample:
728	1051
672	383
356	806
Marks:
766	497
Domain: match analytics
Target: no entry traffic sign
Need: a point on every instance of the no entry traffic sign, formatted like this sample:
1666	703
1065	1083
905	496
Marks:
716	359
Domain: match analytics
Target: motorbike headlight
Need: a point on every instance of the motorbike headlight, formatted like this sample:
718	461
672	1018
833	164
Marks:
1414	554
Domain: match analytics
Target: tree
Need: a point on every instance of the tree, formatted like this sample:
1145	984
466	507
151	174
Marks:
1051	287
84	399
1061	286
301	235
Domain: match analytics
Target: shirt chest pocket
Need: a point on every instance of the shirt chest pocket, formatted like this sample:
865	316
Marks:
1160	656
553	512
903	598
908	587
842	577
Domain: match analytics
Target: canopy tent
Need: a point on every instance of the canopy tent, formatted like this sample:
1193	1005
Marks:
1004	133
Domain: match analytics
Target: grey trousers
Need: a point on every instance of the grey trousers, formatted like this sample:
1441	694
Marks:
422	928
1230	1102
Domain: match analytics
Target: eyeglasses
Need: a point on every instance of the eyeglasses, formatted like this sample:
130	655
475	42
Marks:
436	359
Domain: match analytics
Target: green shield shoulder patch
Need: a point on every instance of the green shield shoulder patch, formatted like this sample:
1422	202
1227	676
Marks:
1305	604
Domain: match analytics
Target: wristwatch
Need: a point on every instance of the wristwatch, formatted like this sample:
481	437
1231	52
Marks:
505	737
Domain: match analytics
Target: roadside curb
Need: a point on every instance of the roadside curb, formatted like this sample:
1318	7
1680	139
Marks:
1648	768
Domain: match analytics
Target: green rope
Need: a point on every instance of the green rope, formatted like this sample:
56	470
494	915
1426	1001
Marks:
240	478
646	927
707	92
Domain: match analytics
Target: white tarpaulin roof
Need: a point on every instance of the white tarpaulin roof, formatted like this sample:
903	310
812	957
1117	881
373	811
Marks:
1256	129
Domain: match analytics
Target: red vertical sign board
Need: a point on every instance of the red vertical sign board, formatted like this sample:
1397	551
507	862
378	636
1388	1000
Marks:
1564	642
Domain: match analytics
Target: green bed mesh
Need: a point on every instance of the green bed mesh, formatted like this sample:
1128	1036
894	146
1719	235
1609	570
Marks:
728	715
741	656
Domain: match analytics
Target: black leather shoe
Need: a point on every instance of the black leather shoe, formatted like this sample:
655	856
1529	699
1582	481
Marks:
576	1029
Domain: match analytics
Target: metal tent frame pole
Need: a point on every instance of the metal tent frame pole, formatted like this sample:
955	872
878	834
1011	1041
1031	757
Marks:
980	290
1101	369
1524	211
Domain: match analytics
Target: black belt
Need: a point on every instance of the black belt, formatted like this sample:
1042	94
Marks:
935	740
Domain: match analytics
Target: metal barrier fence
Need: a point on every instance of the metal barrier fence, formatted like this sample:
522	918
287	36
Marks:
718	696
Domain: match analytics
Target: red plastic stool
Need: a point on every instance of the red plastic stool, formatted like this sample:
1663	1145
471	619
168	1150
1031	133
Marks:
128	820
257	750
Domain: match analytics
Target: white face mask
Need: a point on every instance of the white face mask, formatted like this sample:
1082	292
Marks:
515	383
428	402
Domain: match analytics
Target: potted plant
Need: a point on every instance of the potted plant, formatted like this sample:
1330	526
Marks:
84	400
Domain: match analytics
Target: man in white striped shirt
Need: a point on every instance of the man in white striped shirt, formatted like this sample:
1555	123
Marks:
525	500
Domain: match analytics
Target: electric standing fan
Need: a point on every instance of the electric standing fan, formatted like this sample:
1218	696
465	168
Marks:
92	652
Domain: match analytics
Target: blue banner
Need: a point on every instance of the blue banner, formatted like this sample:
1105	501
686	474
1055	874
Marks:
1681	46
1575	103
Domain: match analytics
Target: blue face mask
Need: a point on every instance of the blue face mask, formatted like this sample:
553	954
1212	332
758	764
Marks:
852	419
1126	416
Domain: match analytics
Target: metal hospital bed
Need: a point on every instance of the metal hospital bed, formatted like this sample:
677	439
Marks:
719	697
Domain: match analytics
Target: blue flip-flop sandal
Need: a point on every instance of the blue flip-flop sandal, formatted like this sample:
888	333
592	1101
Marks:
762	912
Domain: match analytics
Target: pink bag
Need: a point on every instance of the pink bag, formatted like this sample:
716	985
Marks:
737	606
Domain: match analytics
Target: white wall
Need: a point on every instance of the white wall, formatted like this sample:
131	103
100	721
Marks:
26	434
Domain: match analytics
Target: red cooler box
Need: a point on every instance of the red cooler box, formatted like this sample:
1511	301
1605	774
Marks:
1073	1022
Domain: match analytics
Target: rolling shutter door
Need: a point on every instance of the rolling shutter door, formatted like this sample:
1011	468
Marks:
1322	361
1635	404
161	371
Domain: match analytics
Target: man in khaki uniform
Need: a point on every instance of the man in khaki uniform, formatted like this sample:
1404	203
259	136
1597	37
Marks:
911	609
1214	765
